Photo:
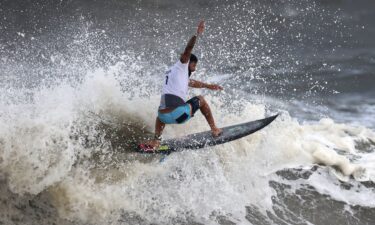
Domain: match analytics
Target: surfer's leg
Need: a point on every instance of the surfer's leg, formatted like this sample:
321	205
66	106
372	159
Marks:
159	127
206	111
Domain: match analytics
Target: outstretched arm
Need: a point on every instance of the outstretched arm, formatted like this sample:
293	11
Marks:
199	84
189	47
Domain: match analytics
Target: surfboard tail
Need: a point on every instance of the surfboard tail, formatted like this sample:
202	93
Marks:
144	148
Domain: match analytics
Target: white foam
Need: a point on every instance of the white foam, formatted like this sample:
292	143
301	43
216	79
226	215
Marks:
36	150
223	179
357	195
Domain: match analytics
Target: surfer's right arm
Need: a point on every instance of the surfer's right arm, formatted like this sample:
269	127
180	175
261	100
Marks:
200	84
185	57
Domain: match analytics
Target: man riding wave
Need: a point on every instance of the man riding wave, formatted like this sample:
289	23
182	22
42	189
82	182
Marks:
173	109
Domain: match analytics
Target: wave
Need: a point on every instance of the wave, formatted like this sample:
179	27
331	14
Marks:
75	142
80	92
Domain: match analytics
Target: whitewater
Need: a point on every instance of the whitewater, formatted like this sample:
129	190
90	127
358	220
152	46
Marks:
77	97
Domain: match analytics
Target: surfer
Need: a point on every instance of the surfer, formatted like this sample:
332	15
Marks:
173	109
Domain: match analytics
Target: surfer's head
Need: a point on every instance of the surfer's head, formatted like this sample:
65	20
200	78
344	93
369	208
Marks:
192	63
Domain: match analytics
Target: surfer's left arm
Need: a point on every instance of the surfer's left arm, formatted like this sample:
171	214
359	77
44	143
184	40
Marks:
199	84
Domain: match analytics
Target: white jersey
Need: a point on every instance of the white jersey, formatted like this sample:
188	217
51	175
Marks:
177	80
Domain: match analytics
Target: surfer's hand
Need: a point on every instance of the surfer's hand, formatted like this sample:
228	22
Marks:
200	28
215	87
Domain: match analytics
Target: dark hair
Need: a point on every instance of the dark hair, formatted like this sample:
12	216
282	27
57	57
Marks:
193	58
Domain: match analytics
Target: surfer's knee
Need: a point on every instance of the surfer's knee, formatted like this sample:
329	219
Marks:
202	101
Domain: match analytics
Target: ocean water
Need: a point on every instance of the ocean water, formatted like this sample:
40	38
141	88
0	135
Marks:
80	85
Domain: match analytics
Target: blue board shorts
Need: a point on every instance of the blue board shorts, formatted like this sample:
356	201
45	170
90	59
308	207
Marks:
182	113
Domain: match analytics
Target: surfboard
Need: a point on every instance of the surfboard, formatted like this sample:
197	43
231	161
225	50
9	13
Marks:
204	139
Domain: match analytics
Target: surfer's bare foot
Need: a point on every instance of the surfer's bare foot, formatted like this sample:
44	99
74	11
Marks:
216	132
153	143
